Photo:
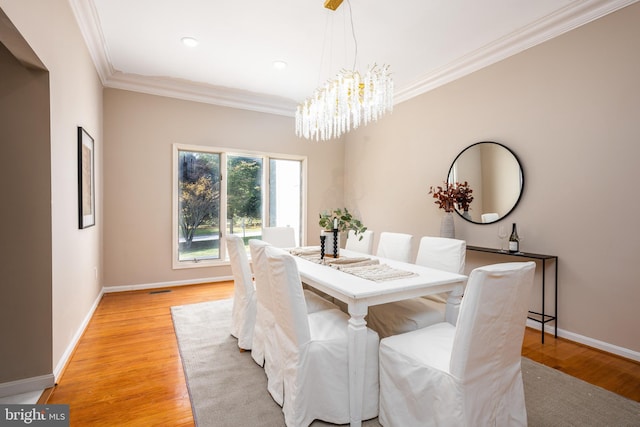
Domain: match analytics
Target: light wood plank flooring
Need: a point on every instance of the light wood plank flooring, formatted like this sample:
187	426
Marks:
126	369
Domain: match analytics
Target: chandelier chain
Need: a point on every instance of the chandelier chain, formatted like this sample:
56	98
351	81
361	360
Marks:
353	33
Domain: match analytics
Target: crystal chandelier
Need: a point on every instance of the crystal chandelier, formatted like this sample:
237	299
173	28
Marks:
346	101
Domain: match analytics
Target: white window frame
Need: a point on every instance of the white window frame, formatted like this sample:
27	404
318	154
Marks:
224	152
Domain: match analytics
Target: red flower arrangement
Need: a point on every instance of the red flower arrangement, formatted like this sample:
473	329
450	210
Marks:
452	195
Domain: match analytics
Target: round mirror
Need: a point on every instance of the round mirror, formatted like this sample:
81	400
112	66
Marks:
494	174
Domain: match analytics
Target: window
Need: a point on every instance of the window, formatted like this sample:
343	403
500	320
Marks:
285	194
244	195
198	213
248	189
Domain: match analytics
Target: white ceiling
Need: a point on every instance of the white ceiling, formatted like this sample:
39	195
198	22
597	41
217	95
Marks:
136	45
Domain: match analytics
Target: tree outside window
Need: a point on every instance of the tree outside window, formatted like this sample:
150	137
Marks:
244	194
199	205
218	192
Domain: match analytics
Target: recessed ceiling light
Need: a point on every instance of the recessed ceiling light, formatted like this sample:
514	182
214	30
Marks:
279	65
189	41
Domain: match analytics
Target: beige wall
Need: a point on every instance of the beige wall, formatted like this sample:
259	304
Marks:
140	131
569	109
25	253
50	29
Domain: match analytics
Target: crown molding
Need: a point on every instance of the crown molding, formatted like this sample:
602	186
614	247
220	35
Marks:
573	15
578	13
208	94
87	19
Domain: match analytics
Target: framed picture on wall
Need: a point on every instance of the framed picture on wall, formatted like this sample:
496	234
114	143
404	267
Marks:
86	180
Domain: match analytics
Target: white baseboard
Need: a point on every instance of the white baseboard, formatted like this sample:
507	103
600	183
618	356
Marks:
600	345
74	341
27	385
49	380
125	288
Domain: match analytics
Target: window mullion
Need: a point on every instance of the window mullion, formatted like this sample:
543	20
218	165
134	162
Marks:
223	205
266	208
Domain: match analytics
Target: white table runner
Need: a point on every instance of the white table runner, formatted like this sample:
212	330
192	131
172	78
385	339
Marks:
363	267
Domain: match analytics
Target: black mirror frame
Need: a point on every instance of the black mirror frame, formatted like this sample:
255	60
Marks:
521	180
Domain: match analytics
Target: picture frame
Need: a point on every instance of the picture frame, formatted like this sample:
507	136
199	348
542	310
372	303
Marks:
86	180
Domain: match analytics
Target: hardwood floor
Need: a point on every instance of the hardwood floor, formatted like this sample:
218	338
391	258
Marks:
614	373
126	369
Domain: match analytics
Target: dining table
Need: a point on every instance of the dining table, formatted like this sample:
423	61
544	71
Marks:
385	281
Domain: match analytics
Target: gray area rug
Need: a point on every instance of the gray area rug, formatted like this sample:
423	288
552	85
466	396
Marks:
227	388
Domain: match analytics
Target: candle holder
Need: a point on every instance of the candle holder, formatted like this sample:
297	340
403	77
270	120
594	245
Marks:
322	243
335	243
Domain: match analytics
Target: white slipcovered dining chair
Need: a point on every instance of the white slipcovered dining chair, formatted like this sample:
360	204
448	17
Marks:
362	242
263	333
265	351
466	375
489	217
396	246
408	315
314	348
281	237
243	313
443	253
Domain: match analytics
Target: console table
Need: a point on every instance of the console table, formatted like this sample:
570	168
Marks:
542	317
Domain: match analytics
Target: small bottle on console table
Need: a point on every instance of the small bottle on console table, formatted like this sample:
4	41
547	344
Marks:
514	240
